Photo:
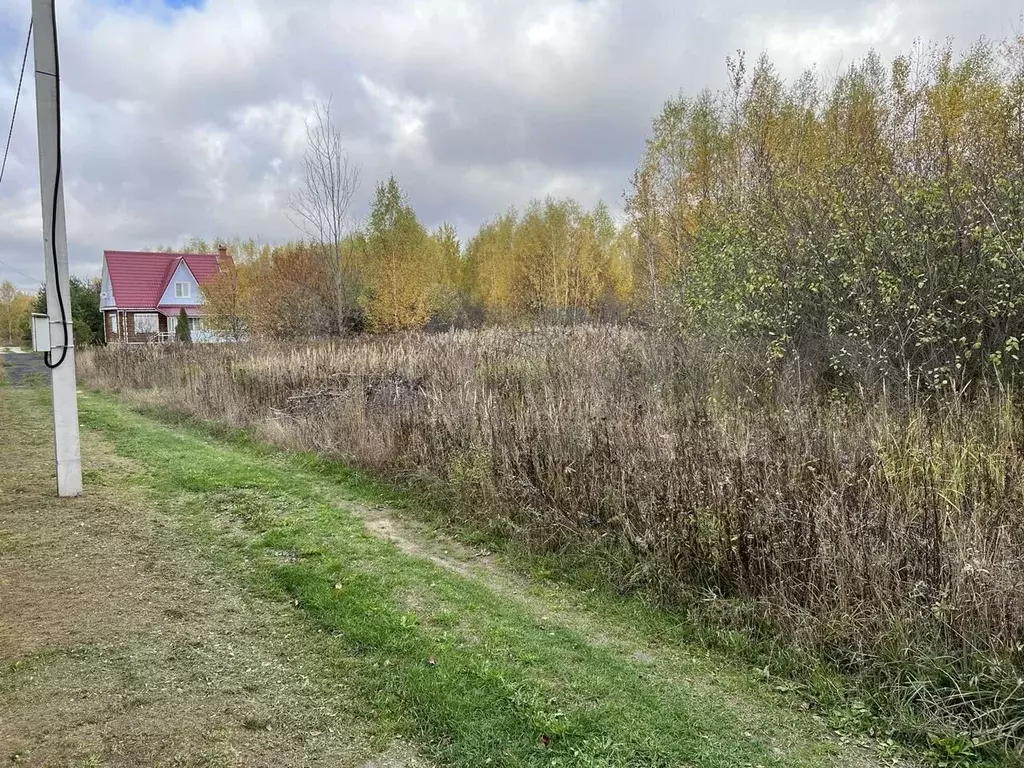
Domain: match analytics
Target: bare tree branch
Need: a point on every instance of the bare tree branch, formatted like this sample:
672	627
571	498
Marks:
320	206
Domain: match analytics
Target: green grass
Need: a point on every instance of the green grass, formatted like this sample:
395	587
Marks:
583	581
473	677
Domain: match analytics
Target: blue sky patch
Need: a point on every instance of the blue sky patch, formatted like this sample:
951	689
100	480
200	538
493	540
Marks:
158	5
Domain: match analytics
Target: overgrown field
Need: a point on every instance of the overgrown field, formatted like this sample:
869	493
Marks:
881	538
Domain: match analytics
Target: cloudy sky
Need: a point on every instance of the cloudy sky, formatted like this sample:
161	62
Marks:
185	117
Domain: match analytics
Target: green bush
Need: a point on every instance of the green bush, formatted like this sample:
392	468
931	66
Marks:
867	230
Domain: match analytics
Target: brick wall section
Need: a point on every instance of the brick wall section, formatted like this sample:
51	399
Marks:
110	334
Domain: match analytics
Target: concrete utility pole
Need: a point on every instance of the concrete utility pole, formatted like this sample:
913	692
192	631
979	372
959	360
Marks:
61	359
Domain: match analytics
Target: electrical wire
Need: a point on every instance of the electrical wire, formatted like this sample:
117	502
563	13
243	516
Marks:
10	134
17	96
47	358
15	269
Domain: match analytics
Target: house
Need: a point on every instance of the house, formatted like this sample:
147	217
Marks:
142	294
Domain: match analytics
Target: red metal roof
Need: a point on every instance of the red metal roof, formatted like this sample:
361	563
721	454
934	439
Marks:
138	278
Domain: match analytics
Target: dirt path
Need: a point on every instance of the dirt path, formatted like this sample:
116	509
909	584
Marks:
120	645
555	605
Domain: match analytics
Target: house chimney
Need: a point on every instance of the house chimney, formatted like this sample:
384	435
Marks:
222	251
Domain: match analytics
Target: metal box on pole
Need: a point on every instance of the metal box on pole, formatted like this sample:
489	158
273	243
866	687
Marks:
40	332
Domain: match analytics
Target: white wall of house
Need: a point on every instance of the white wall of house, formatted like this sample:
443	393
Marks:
106	290
206	336
200	333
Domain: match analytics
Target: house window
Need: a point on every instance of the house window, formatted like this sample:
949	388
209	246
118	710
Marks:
146	322
182	290
113	323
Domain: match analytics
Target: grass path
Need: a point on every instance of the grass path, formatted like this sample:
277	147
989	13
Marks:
274	600
123	644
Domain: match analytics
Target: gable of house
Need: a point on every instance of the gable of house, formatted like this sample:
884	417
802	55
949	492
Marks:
182	288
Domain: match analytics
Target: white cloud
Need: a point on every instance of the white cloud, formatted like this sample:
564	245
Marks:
804	47
191	122
402	117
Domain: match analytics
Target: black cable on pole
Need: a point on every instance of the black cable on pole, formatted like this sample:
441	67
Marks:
47	359
17	96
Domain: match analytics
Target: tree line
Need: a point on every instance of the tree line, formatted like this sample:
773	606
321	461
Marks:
870	227
16	308
554	261
867	225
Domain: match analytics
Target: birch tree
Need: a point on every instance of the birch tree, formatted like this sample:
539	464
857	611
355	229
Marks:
398	263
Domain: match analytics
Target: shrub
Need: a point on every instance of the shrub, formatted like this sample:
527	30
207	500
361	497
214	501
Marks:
183	331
